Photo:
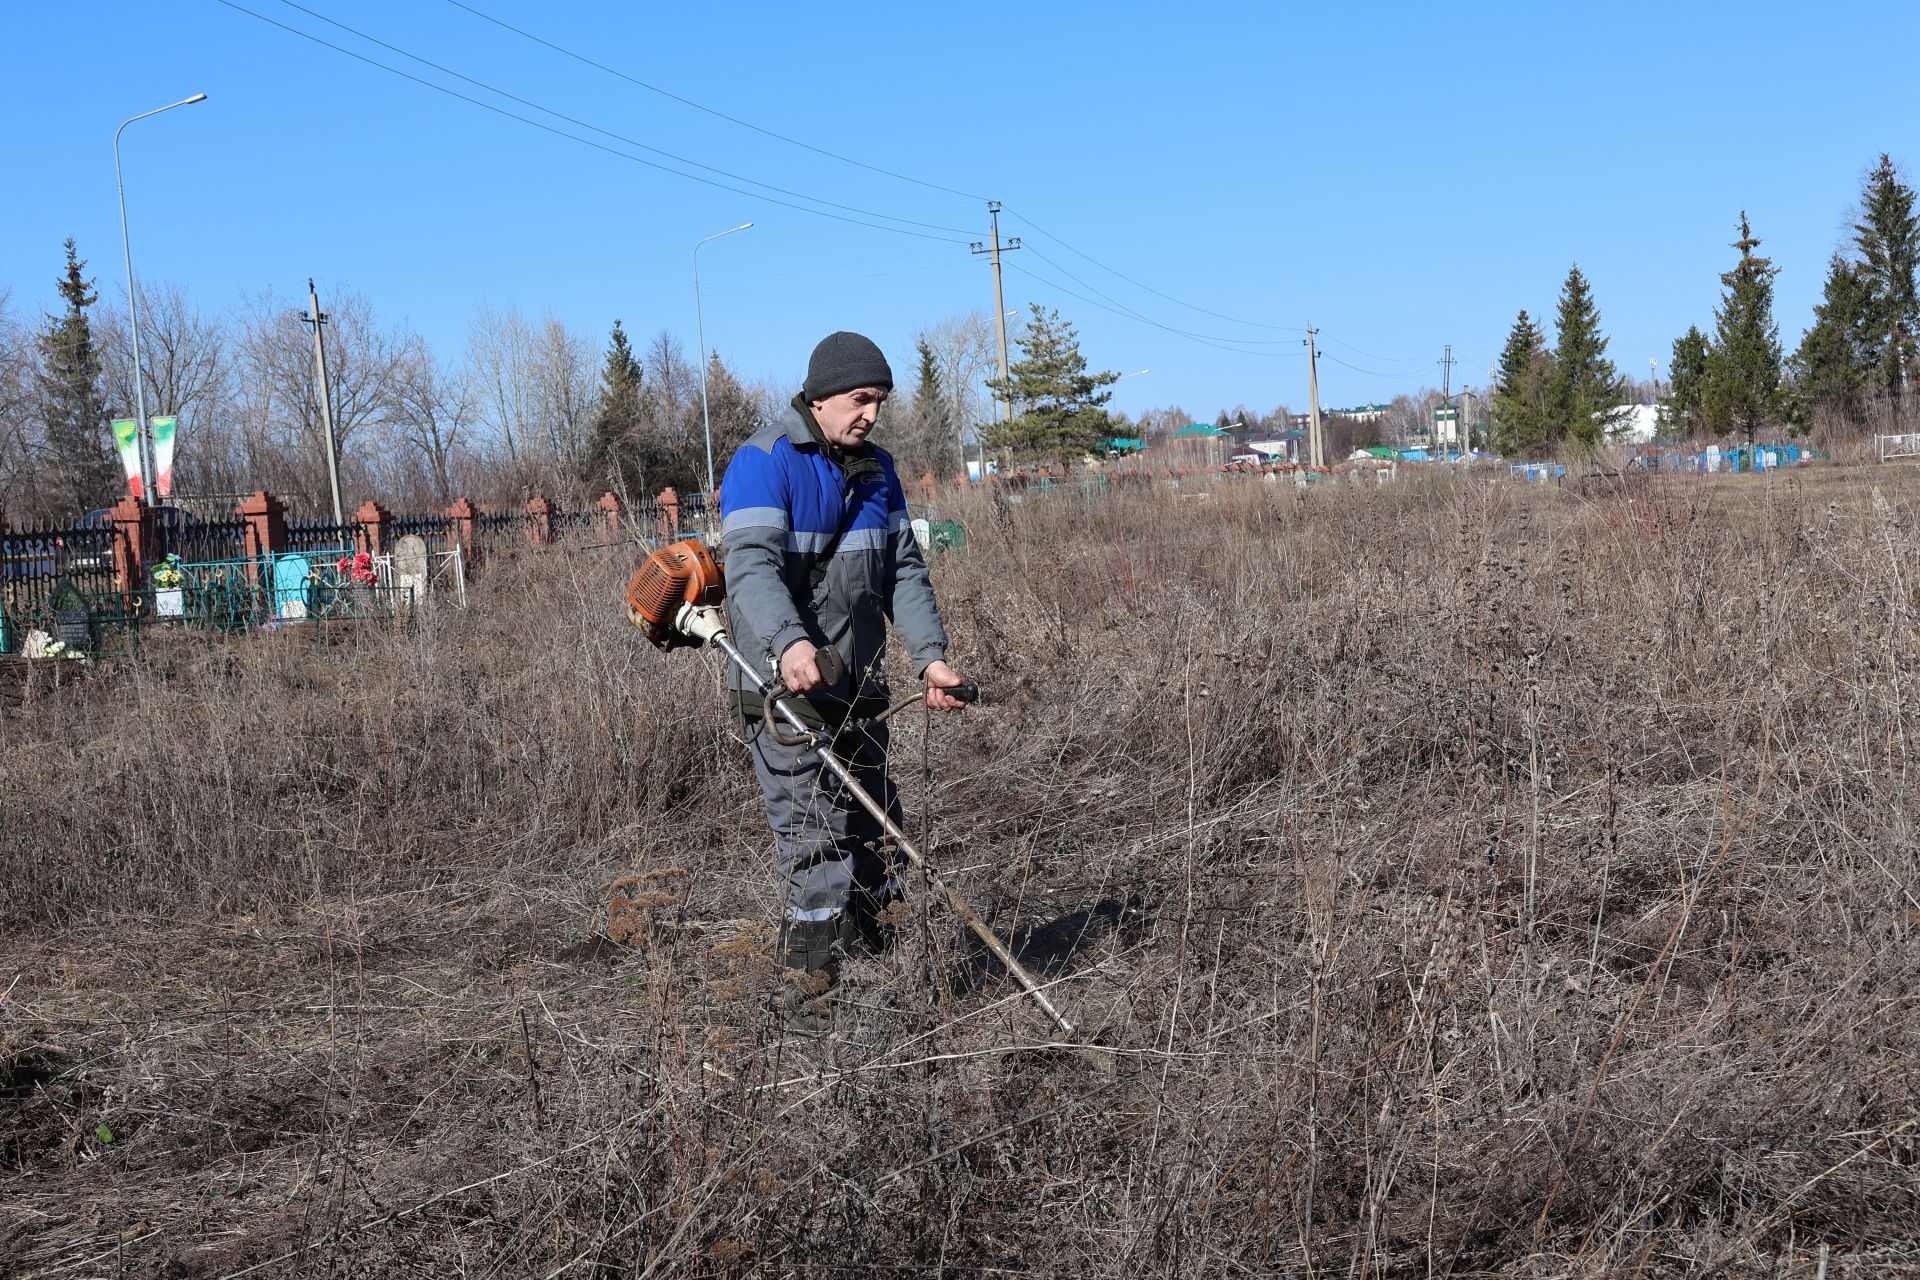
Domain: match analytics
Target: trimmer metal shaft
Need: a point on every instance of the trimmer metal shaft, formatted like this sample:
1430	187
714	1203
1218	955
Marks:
777	697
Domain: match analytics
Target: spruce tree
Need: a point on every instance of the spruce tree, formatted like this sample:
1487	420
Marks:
1685	412
1836	361
1743	367
82	469
1519	423
928	440
1888	239
616	457
1064	414
1585	386
735	412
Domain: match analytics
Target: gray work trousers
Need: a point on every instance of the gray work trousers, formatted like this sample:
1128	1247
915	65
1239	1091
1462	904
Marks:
833	853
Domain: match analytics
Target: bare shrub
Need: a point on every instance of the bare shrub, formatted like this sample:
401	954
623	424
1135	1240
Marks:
1467	879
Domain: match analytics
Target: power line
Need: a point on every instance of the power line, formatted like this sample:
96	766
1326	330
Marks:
1218	315
585	142
1372	373
1427	359
607	133
1210	339
1135	316
744	124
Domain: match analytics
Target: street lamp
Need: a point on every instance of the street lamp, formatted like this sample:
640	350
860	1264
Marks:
700	327
143	433
1136	373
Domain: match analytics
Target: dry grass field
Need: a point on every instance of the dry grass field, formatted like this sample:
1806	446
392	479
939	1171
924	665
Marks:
1449	880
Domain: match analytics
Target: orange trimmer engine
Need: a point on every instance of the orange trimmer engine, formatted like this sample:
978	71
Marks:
679	577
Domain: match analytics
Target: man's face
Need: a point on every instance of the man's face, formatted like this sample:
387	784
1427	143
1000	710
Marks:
846	419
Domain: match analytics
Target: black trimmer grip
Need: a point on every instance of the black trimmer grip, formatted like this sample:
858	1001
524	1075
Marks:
964	692
827	658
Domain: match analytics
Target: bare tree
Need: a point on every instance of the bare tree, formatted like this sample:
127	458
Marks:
18	421
500	356
276	392
1157	426
967	349
567	393
434	409
670	411
184	356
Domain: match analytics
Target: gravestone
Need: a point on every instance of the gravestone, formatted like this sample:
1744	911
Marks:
72	620
291	574
410	571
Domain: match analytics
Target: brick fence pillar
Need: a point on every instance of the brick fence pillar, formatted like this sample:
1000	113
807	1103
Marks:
607	513
460	529
539	521
926	487
370	532
266	521
129	519
669	513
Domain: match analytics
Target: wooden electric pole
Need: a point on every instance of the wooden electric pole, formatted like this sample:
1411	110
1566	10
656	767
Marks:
1316	447
318	319
1005	397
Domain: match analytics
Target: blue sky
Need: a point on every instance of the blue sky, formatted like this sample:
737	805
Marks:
1403	176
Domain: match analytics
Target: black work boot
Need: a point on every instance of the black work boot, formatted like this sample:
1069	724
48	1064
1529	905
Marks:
810	948
870	919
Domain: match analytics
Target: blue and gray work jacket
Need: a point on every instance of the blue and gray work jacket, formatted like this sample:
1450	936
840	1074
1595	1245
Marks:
787	500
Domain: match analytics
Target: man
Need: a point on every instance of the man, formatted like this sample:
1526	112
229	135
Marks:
819	554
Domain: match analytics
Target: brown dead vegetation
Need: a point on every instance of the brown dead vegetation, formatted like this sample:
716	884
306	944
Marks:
1454	880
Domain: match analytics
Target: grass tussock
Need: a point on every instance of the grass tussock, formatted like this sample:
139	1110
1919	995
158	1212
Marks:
1452	880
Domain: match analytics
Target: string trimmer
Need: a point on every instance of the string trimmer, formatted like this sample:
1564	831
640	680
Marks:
674	598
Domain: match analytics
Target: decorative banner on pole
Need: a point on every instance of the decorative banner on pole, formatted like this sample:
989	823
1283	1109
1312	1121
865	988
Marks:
163	429
126	438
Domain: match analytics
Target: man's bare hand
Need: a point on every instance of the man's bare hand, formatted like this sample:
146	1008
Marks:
941	676
800	667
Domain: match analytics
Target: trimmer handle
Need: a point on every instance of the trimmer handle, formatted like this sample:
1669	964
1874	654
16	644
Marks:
968	692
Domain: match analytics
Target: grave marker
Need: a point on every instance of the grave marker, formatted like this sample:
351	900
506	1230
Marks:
290	576
410	569
72	620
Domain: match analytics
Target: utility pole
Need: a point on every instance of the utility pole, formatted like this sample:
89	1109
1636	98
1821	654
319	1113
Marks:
1316	448
1005	397
318	318
1446	397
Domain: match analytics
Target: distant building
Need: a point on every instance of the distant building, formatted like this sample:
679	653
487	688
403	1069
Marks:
1632	423
1360	413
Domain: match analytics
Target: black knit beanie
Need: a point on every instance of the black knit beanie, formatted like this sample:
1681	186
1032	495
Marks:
842	362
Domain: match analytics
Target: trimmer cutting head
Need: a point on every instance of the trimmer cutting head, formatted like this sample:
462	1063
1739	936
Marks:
679	574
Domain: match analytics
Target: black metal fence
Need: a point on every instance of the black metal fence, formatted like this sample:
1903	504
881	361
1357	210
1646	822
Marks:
217	582
498	531
201	542
308	536
34	561
435	531
575	524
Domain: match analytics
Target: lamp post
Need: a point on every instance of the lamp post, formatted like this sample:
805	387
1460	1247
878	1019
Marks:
700	327
143	434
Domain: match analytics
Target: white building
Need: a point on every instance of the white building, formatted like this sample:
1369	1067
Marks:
1632	423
